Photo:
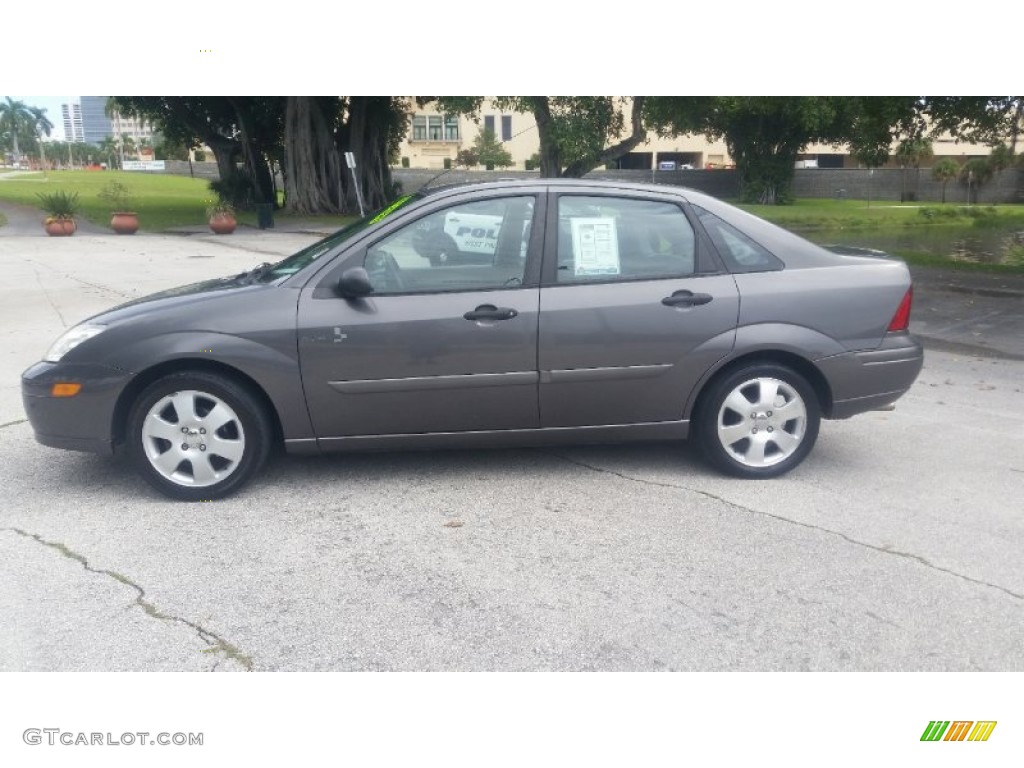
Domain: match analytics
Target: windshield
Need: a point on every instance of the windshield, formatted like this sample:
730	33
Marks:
311	253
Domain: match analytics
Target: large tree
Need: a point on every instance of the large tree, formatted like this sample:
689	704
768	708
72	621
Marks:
233	127
319	130
304	135
989	120
15	118
765	134
576	133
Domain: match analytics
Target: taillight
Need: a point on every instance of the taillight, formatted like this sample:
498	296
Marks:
901	320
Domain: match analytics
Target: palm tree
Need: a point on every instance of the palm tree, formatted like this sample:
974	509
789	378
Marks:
127	145
42	125
109	148
14	116
945	171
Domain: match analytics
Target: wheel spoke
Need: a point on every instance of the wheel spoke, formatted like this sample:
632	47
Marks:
786	442
185	406
217	417
737	403
794	409
166	462
232	450
203	472
733	434
156	426
768	392
755	452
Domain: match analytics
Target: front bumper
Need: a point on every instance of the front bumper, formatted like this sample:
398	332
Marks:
866	381
80	423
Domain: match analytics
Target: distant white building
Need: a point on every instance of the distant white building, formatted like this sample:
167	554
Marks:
87	121
72	117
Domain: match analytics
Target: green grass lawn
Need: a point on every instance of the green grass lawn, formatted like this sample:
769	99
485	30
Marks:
161	201
810	215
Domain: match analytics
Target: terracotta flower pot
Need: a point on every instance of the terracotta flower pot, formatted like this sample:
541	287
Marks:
223	223
124	222
59	227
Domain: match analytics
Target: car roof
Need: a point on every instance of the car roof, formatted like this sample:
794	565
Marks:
504	184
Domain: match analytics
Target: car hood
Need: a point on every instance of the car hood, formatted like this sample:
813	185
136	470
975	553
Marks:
201	292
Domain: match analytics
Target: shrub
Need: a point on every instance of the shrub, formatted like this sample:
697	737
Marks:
60	205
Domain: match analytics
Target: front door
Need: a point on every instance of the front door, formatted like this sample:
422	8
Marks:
447	342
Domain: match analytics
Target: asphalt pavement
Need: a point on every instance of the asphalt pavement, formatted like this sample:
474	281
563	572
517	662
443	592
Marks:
895	546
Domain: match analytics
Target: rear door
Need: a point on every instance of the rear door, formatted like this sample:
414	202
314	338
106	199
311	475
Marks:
633	310
440	346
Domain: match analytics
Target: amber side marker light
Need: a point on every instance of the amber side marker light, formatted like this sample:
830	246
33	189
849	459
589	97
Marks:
65	389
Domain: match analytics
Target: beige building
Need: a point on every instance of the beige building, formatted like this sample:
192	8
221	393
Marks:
434	140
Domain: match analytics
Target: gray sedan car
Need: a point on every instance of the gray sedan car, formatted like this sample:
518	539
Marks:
562	311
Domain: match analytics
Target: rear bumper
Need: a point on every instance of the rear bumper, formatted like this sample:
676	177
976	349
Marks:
80	423
865	381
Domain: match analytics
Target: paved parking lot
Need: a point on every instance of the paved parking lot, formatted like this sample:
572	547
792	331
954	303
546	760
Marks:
895	546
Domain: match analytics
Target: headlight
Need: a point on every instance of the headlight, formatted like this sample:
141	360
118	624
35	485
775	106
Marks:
72	339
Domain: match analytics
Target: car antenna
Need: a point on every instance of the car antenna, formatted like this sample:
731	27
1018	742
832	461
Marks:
435	178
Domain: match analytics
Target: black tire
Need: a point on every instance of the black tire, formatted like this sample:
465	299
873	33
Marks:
226	456
443	251
762	441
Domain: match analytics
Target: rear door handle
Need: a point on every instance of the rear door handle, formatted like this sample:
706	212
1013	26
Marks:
686	299
491	312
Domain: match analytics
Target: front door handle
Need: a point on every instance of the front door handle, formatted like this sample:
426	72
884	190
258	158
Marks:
686	299
491	312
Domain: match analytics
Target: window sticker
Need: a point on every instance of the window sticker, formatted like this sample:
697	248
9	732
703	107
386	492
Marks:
595	246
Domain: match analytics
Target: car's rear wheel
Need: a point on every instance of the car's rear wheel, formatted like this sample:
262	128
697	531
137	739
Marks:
758	421
198	435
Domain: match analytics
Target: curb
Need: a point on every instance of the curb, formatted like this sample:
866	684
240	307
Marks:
964	348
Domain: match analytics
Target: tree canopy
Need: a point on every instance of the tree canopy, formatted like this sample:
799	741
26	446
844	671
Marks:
576	133
765	134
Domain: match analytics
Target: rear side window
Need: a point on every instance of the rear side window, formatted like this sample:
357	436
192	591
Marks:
611	238
741	254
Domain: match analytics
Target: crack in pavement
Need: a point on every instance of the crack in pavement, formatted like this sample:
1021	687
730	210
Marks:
97	286
49	299
12	423
856	542
217	643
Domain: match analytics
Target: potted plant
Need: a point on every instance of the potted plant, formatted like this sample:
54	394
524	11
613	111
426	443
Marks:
61	208
122	221
222	217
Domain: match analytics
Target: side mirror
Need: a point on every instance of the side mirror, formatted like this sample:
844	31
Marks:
354	283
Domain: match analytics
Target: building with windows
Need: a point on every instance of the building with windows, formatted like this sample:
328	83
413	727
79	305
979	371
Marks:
434	141
72	118
95	123
87	121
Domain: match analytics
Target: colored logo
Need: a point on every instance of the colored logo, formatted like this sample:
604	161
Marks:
958	730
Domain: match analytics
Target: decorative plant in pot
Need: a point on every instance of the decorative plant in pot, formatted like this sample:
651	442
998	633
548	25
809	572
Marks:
60	208
222	217
122	221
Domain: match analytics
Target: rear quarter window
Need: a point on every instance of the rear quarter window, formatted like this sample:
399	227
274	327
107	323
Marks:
739	251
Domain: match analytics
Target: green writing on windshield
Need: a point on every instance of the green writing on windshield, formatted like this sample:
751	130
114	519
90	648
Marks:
391	208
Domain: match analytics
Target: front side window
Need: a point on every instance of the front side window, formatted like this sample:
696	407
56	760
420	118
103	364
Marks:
610	238
479	245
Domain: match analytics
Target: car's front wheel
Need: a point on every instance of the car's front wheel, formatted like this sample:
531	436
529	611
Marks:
758	421
198	435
